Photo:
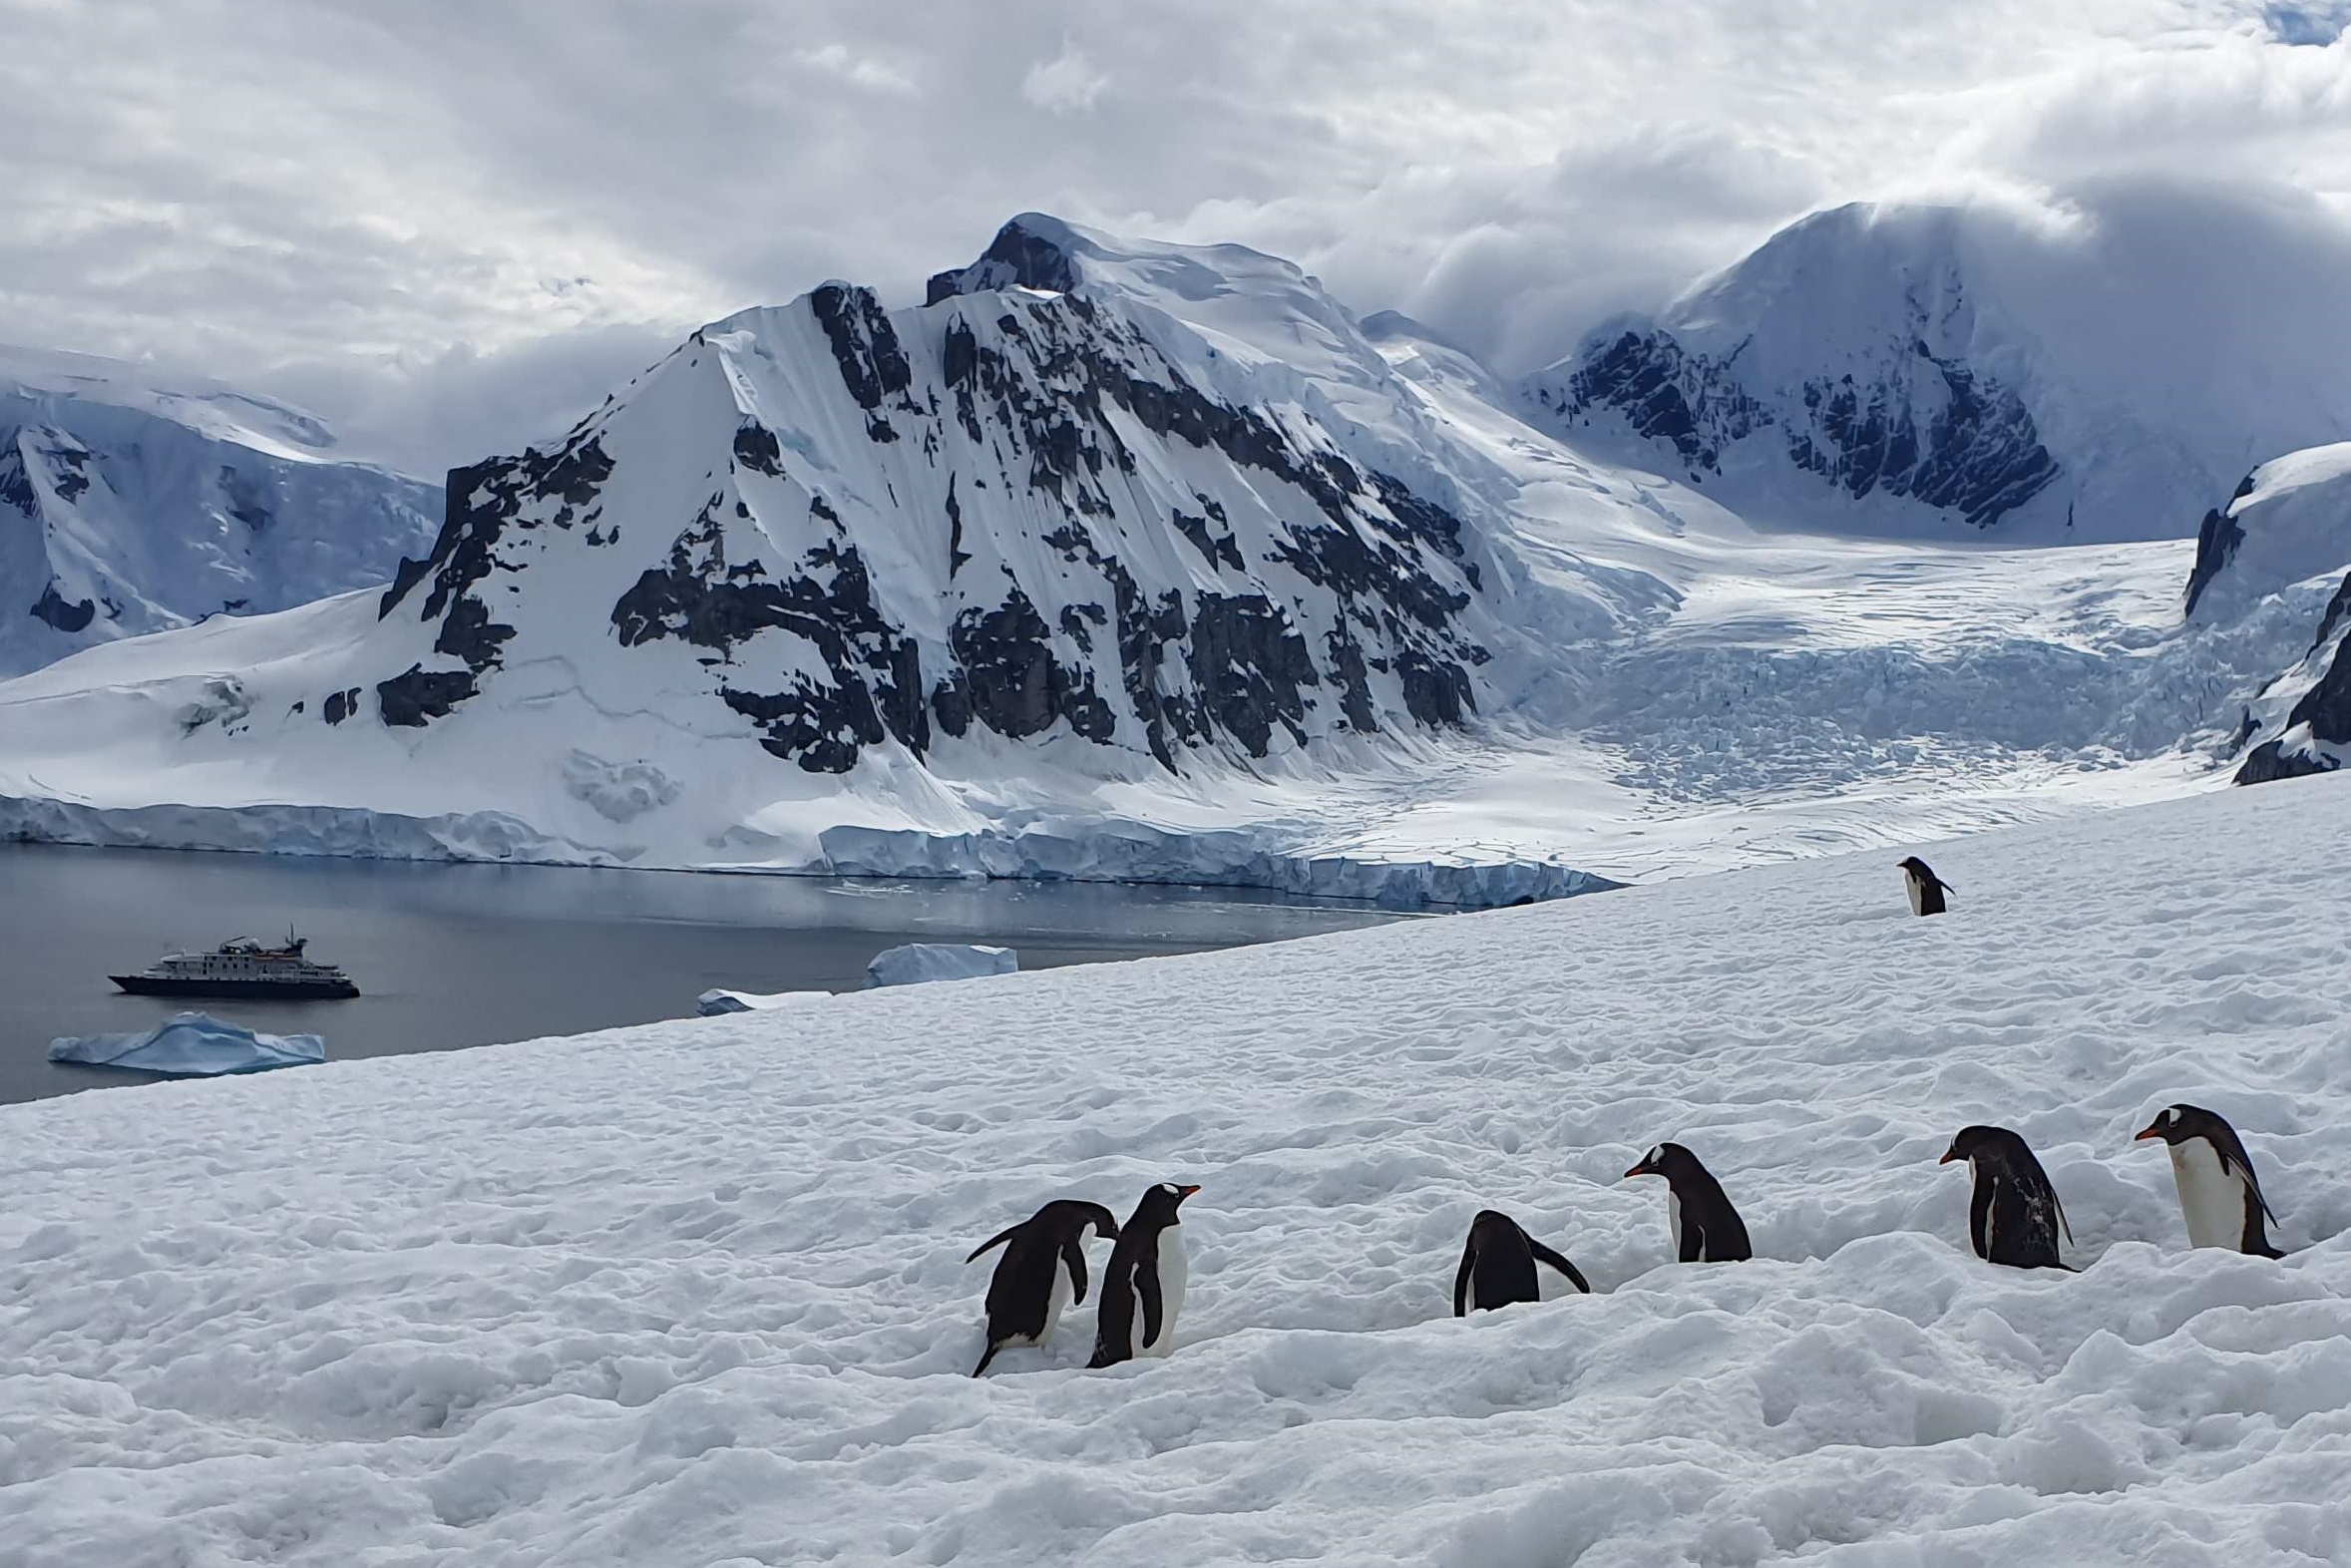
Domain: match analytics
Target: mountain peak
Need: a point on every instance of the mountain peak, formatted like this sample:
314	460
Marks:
1032	251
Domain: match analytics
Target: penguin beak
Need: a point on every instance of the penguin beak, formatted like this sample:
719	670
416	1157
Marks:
2152	1132
1186	1191
1642	1169
1948	1156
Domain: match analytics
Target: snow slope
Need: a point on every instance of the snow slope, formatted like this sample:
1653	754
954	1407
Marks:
130	503
695	1294
1924	370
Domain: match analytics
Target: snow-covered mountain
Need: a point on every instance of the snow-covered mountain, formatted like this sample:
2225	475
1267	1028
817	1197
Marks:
1146	562
1919	369
2288	526
130	503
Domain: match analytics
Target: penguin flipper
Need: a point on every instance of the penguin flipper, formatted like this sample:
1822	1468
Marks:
997	1240
1693	1240
1544	1254
1147	1287
1461	1280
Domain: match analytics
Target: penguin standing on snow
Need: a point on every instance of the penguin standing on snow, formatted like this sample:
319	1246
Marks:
2219	1191
1926	888
1041	1271
1706	1227
2014	1216
1498	1266
1143	1289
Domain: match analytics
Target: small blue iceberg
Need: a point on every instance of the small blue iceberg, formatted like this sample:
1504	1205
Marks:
191	1045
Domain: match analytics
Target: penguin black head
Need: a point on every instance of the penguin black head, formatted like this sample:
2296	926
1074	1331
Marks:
1160	1202
2179	1123
1669	1160
1995	1147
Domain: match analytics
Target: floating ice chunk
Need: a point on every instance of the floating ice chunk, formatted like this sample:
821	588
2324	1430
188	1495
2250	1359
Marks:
191	1045
716	1003
920	961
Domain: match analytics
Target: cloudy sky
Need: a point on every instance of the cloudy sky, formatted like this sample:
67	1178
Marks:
451	224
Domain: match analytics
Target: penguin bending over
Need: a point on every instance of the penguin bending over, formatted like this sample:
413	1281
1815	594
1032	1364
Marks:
1143	1289
1498	1266
1926	888
1041	1271
1706	1227
2014	1215
2219	1191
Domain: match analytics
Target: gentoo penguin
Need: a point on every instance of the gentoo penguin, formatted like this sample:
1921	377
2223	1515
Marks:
1926	888
1498	1266
2219	1191
1041	1271
1143	1289
1706	1227
2014	1216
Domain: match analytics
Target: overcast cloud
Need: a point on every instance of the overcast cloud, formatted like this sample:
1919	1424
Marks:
449	225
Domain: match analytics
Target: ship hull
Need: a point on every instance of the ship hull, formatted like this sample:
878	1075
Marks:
255	991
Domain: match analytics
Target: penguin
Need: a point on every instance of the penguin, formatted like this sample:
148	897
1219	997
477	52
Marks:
1143	1289
2219	1191
1926	888
1706	1227
2014	1217
1041	1271
1498	1266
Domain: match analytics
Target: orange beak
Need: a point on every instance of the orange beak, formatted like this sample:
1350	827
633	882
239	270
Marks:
2152	1132
1642	1169
1948	1157
1187	1191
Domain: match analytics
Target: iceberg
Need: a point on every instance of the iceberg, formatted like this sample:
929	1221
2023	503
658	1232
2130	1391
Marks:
718	1003
190	1045
918	963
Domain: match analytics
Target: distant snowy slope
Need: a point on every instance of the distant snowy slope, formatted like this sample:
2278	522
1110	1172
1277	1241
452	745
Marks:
130	503
2281	547
696	1293
1916	368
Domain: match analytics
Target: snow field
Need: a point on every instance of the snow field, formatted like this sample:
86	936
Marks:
694	1294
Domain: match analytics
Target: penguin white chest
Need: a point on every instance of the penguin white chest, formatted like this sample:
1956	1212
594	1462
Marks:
1057	1299
1917	892
1173	1270
1674	1217
2212	1199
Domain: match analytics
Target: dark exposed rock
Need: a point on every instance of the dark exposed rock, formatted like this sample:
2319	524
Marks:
2218	538
1978	454
2270	761
340	705
247	503
417	695
1017	256
67	617
1249	668
864	344
876	683
16	487
756	449
1006	659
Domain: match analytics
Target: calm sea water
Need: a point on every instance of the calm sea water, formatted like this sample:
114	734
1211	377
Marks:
453	956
